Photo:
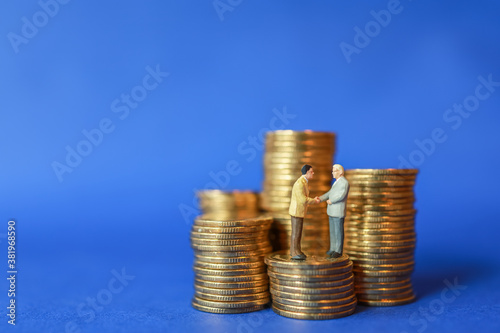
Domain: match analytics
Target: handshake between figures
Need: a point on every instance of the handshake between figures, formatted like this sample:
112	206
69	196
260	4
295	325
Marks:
318	200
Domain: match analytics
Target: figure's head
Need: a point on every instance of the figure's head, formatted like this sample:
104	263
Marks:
308	171
337	171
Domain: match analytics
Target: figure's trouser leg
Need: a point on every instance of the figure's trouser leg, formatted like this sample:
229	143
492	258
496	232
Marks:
297	223
336	233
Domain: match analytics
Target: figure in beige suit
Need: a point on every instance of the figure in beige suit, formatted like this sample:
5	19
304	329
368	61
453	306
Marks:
298	209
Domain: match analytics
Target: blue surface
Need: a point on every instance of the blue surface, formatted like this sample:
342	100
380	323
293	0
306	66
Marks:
125	208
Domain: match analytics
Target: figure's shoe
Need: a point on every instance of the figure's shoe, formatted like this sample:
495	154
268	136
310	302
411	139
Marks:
330	252
300	256
335	255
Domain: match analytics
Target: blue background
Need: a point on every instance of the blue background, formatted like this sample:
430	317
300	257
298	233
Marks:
128	204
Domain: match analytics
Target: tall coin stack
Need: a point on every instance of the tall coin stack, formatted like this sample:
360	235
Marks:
317	288
380	234
230	273
286	152
229	204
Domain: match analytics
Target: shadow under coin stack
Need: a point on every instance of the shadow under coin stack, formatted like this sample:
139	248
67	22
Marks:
230	273
286	152
229	205
316	288
380	234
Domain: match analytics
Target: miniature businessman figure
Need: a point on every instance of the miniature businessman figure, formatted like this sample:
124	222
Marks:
298	209
336	199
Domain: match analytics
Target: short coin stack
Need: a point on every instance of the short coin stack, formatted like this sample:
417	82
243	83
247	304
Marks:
229	204
230	273
380	234
317	288
286	152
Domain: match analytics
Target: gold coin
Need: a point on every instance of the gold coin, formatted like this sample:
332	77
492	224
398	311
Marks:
229	242
368	202
314	306
382	183
378	279
292	160
381	225
221	253
376	232
282	260
302	137
232	298
380	297
308	144
295	134
228	272
335	287
381	195
311	284
380	177
218	193
230	230
237	266
384	291
403	301
313	297
232	285
383	267
293	166
382	285
392	261
230	248
249	236
381	171
382	208
313	316
231	291
378	256
232	305
387	213
359	218
370	243
369	190
387	237
382	273
201	221
314	272
387	249
228	260
308	278
232	279
196	304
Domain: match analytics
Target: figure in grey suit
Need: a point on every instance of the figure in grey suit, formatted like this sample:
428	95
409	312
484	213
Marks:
336	199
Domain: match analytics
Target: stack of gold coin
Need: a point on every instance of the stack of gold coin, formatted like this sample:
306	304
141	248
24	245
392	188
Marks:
286	152
230	273
316	288
229	204
380	234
